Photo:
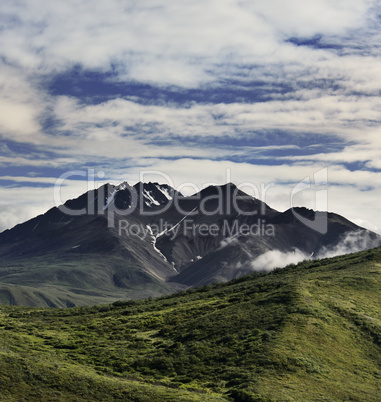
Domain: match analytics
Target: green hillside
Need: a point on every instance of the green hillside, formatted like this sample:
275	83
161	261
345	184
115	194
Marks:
310	332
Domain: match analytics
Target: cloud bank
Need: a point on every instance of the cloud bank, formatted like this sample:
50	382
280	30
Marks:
273	91
352	242
277	259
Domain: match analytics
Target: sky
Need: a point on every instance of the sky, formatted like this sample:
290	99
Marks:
265	94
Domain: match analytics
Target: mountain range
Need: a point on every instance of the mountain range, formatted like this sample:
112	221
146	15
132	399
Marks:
123	241
310	332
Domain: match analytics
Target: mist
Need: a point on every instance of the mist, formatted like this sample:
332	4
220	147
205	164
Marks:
277	259
352	242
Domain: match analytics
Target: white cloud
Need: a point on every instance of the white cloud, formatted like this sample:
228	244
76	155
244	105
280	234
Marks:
277	259
352	242
307	18
214	45
10	215
28	199
167	42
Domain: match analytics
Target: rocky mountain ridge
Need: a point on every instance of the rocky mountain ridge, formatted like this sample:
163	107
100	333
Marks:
162	240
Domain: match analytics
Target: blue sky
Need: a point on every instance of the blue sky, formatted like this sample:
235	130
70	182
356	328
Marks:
191	93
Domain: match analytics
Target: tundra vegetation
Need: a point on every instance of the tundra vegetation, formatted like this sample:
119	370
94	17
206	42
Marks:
308	332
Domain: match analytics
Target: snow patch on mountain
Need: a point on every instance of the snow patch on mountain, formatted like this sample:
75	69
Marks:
122	186
165	191
149	199
154	238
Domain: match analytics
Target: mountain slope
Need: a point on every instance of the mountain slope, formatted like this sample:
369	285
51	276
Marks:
75	280
148	239
310	332
70	256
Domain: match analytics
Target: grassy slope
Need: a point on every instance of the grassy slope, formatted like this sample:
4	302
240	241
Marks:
311	333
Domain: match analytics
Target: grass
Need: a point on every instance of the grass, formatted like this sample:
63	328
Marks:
310	332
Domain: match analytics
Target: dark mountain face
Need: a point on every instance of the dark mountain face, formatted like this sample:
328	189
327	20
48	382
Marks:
167	241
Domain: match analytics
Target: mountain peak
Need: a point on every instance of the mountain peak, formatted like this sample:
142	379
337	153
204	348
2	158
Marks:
150	194
155	194
228	188
149	234
122	186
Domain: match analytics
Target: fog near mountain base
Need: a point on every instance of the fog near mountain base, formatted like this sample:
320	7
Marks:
277	259
352	242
